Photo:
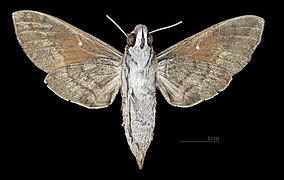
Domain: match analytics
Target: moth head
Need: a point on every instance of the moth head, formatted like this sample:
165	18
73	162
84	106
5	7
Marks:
140	37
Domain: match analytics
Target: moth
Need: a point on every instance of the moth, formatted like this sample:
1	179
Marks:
87	71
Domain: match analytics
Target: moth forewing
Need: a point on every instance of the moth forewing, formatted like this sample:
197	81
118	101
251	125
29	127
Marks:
82	68
51	43
200	66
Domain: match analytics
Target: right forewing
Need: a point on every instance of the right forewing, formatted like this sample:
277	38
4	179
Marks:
200	66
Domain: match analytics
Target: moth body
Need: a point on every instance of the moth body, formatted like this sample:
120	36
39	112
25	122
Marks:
138	93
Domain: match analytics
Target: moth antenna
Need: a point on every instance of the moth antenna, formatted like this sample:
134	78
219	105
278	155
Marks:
116	25
167	27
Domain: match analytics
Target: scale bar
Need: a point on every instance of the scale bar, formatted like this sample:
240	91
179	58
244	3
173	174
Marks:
199	141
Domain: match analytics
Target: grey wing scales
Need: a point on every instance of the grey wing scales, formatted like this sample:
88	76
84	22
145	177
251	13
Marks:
186	82
81	67
200	66
92	84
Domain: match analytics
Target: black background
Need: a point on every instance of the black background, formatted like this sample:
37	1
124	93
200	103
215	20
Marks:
43	136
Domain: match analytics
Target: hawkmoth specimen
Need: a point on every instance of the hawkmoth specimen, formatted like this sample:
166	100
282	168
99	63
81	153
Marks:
87	71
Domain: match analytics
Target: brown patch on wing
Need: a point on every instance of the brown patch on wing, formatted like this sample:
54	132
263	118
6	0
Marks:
51	43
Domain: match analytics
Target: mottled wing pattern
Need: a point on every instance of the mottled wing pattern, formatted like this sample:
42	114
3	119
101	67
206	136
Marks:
92	83
82	68
186	82
199	67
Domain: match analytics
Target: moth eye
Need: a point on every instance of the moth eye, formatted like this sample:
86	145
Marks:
131	39
150	40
